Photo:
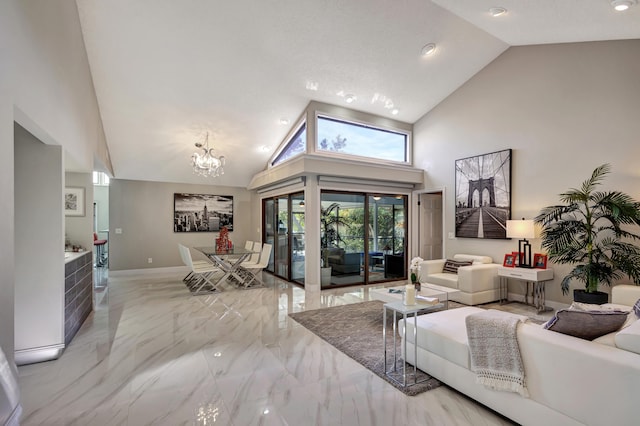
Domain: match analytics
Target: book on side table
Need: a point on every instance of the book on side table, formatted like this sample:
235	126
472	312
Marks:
424	300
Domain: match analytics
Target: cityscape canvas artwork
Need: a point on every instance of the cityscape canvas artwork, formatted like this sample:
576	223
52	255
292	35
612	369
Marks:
483	195
202	212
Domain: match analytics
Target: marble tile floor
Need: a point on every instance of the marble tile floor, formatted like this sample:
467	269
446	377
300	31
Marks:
153	354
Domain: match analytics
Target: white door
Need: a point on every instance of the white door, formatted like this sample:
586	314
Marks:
430	222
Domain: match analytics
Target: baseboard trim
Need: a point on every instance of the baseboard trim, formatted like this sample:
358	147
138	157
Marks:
149	271
41	354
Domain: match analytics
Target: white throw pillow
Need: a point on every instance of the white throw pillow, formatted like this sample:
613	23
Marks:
629	338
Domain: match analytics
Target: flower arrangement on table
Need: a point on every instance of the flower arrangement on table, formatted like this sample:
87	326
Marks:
414	266
223	243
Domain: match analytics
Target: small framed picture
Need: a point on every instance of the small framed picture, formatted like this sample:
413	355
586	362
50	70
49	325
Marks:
540	261
73	201
517	258
509	260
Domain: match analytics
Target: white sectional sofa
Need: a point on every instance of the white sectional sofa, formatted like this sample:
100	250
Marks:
478	282
570	381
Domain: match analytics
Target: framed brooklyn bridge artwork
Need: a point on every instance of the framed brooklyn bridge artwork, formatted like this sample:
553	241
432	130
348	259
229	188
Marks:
202	212
483	195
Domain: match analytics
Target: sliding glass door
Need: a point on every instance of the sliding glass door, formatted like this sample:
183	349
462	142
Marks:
282	241
342	238
387	242
297	238
269	227
362	238
283	227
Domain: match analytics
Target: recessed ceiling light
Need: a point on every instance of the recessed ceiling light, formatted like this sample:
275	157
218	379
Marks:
265	148
312	85
284	121
428	49
622	5
395	111
497	11
350	98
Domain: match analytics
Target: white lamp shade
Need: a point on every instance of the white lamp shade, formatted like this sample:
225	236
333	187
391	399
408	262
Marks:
520	229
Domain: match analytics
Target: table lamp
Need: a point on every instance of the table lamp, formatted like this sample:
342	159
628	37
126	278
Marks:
522	229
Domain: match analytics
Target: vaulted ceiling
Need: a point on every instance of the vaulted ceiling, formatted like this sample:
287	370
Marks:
165	71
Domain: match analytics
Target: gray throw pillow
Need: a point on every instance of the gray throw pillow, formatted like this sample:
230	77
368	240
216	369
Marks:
452	266
587	325
636	308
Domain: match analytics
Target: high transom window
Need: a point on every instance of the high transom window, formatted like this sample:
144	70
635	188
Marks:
355	139
100	179
331	131
297	145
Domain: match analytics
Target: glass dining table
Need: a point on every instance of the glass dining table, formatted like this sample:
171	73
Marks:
229	262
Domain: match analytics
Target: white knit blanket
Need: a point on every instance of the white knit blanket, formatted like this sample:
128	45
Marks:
495	354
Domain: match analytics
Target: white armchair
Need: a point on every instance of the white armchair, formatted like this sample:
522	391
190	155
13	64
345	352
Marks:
476	277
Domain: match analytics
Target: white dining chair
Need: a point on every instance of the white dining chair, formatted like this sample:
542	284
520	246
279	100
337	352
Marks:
248	245
190	278
255	256
257	268
201	273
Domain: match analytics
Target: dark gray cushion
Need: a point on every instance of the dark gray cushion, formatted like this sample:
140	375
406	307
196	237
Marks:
452	266
587	325
636	308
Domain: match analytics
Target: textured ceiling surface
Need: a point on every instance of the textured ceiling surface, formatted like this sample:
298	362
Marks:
167	72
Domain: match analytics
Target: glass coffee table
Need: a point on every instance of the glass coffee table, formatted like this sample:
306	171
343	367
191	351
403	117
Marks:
394	294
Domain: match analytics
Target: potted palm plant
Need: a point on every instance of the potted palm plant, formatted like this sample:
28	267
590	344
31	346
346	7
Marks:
587	231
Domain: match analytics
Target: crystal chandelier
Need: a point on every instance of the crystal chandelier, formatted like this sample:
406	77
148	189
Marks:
207	164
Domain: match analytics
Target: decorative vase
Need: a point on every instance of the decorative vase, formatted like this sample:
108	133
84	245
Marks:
415	282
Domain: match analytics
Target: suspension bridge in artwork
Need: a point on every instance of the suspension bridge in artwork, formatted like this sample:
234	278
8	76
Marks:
481	215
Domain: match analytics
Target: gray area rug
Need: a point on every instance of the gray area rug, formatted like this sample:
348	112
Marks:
356	330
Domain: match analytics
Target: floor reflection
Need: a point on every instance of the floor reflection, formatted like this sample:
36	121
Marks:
151	353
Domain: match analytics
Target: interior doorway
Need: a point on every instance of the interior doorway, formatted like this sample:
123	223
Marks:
430	225
101	232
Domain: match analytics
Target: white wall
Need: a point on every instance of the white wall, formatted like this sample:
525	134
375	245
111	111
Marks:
45	85
6	189
7	253
39	248
563	109
54	92
144	212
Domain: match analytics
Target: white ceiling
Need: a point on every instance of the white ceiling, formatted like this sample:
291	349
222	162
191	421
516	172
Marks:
167	71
